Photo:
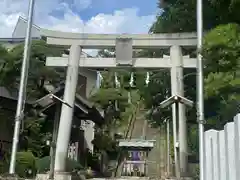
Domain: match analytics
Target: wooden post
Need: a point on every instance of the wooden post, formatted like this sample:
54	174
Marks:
54	139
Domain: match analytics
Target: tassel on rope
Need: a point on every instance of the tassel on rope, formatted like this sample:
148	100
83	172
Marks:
131	83
147	80
118	85
99	79
129	97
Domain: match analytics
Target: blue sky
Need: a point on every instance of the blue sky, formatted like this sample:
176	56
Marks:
145	7
91	16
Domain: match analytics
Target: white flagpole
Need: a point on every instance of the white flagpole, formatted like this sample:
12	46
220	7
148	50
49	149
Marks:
22	88
200	88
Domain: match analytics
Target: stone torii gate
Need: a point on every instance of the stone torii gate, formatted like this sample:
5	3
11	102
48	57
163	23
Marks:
124	45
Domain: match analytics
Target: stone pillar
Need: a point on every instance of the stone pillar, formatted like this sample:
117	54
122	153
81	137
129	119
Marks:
177	86
67	109
174	90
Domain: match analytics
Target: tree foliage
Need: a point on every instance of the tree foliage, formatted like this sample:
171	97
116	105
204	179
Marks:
114	101
6	66
221	61
220	52
34	134
222	78
25	164
38	73
43	165
221	49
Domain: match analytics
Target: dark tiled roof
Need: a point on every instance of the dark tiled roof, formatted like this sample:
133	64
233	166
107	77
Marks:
83	108
15	40
4	92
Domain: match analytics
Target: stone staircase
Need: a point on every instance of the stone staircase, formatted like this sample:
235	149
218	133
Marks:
157	156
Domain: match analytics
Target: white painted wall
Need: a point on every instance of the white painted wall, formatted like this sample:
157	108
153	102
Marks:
21	28
91	81
88	126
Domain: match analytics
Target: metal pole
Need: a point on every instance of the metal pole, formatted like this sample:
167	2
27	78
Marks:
177	168
54	139
168	147
175	137
22	88
200	95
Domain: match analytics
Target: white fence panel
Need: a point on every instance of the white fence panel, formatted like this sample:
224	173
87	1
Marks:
237	143
230	151
222	152
212	155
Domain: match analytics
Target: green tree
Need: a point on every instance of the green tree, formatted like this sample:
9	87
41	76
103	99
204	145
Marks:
221	60
38	72
222	75
26	164
34	134
114	101
6	66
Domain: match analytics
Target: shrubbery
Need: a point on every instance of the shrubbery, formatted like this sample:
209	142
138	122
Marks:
43	165
25	164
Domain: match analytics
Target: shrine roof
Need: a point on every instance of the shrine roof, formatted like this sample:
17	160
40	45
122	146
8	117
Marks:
83	109
136	143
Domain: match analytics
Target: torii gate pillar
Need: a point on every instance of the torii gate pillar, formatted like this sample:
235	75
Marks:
66	117
177	88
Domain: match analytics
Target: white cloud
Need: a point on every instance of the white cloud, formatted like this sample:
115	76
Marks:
121	21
